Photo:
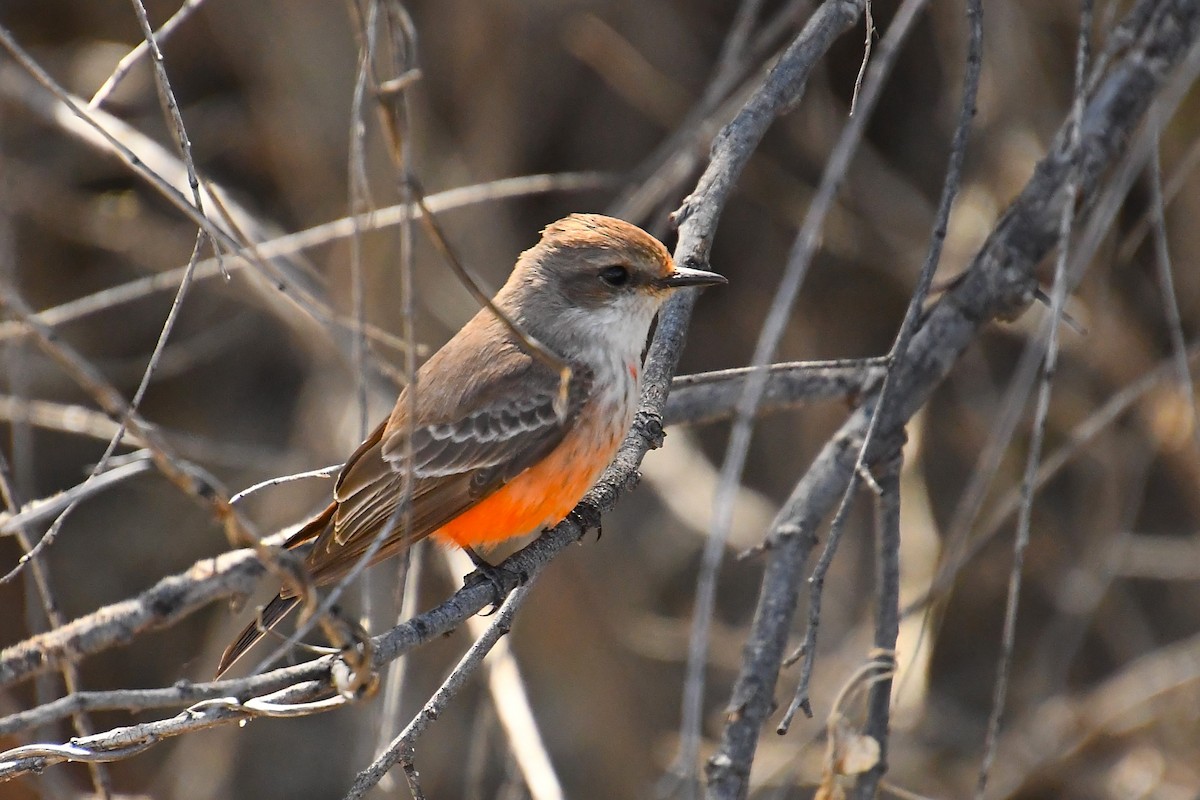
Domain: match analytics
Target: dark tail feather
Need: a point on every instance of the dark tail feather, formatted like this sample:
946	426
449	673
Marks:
278	608
271	616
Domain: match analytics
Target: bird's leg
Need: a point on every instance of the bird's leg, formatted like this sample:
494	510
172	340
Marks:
487	572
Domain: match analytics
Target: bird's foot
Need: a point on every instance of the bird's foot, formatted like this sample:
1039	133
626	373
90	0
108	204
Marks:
496	577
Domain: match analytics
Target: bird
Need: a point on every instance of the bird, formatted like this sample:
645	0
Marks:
493	444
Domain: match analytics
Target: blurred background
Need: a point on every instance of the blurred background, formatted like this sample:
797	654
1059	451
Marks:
1107	647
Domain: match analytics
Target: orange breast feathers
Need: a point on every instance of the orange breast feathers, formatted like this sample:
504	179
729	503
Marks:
543	494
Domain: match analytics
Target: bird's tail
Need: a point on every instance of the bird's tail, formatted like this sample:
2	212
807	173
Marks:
271	616
278	608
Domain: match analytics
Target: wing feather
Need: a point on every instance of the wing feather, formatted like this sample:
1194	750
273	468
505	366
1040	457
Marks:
484	412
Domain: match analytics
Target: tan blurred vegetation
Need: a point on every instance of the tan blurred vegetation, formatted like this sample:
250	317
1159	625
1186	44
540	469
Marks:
511	88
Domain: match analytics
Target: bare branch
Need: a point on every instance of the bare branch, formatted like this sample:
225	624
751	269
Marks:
887	619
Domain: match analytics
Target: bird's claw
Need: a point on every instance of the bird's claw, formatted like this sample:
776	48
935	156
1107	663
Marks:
486	572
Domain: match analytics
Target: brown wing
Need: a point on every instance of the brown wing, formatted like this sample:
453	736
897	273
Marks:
485	411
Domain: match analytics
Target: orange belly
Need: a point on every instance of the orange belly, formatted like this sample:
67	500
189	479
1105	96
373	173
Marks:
539	497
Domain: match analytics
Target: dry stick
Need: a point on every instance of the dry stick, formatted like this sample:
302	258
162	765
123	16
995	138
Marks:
404	70
714	396
185	477
170	107
12	522
361	202
1058	298
1162	258
182	693
868	41
526	744
316	236
401	748
124	742
396	126
411	569
40	578
70	114
897	353
999	284
1079	438
887	617
513	709
130	59
82	421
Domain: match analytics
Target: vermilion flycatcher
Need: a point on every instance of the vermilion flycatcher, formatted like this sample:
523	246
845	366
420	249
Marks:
495	452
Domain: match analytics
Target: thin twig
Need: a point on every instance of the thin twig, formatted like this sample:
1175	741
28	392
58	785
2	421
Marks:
868	41
40	578
394	112
887	618
513	708
82	421
1162	260
35	511
319	235
714	396
361	204
130	59
395	678
1058	296
1077	440
402	748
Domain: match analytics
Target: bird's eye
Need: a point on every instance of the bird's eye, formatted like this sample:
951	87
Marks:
616	275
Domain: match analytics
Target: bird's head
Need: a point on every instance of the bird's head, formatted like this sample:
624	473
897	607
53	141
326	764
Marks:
597	281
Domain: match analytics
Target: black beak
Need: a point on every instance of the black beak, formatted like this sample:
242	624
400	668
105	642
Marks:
683	276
